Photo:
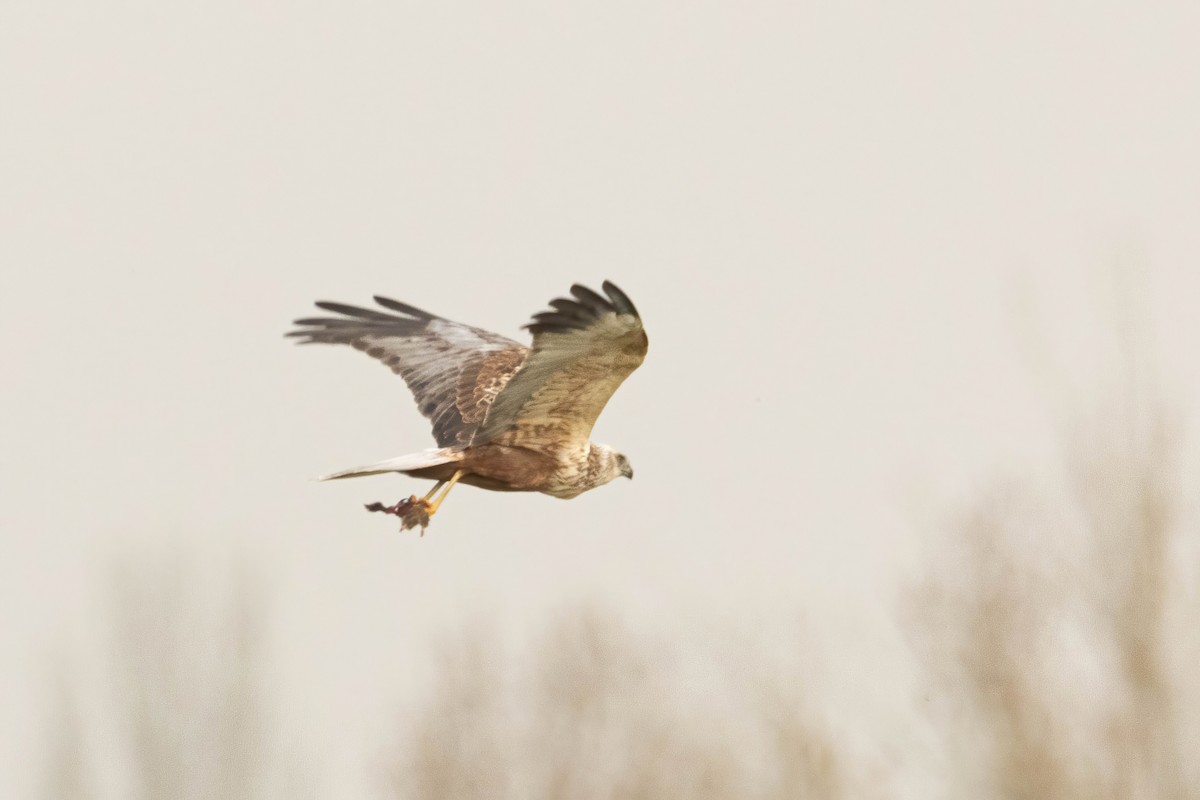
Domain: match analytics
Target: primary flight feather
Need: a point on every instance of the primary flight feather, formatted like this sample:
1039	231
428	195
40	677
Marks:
505	417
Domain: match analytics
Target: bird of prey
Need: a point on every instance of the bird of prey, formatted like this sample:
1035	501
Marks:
505	417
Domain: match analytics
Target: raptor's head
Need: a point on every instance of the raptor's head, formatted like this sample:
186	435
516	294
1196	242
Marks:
623	466
607	464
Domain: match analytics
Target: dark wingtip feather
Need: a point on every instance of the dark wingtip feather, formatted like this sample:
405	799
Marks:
352	311
619	299
356	322
404	308
571	308
580	313
597	302
327	322
556	319
308	337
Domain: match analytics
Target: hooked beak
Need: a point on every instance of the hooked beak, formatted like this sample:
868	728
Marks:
627	472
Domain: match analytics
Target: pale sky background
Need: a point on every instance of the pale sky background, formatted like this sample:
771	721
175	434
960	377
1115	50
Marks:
874	246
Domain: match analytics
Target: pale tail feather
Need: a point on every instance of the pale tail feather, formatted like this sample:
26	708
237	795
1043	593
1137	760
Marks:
421	460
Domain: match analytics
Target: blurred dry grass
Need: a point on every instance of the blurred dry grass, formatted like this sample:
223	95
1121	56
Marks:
1056	639
592	714
65	774
1058	631
184	712
1056	635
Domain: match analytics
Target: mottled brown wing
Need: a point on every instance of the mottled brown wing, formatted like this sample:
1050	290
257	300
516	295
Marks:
582	351
454	371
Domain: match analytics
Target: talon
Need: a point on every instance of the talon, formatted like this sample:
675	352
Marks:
413	510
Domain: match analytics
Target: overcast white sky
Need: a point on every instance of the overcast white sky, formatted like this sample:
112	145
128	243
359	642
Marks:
839	220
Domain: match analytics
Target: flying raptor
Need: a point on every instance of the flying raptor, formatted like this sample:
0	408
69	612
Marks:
505	417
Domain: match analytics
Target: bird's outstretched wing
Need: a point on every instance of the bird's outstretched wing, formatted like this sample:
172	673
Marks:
582	351
454	371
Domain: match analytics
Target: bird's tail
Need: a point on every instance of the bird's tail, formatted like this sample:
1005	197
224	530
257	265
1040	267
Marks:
413	461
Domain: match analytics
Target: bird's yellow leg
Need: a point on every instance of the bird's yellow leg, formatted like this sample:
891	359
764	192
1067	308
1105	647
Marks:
433	507
432	491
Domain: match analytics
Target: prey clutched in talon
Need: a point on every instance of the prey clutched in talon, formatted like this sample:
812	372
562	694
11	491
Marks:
414	510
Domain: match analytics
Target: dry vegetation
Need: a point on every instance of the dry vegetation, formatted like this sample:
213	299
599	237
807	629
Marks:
1060	630
593	715
1055	632
182	714
1056	636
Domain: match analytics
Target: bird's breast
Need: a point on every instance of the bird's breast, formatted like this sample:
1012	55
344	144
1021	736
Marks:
512	468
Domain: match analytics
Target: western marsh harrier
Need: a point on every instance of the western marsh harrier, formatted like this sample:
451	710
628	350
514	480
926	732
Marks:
505	417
